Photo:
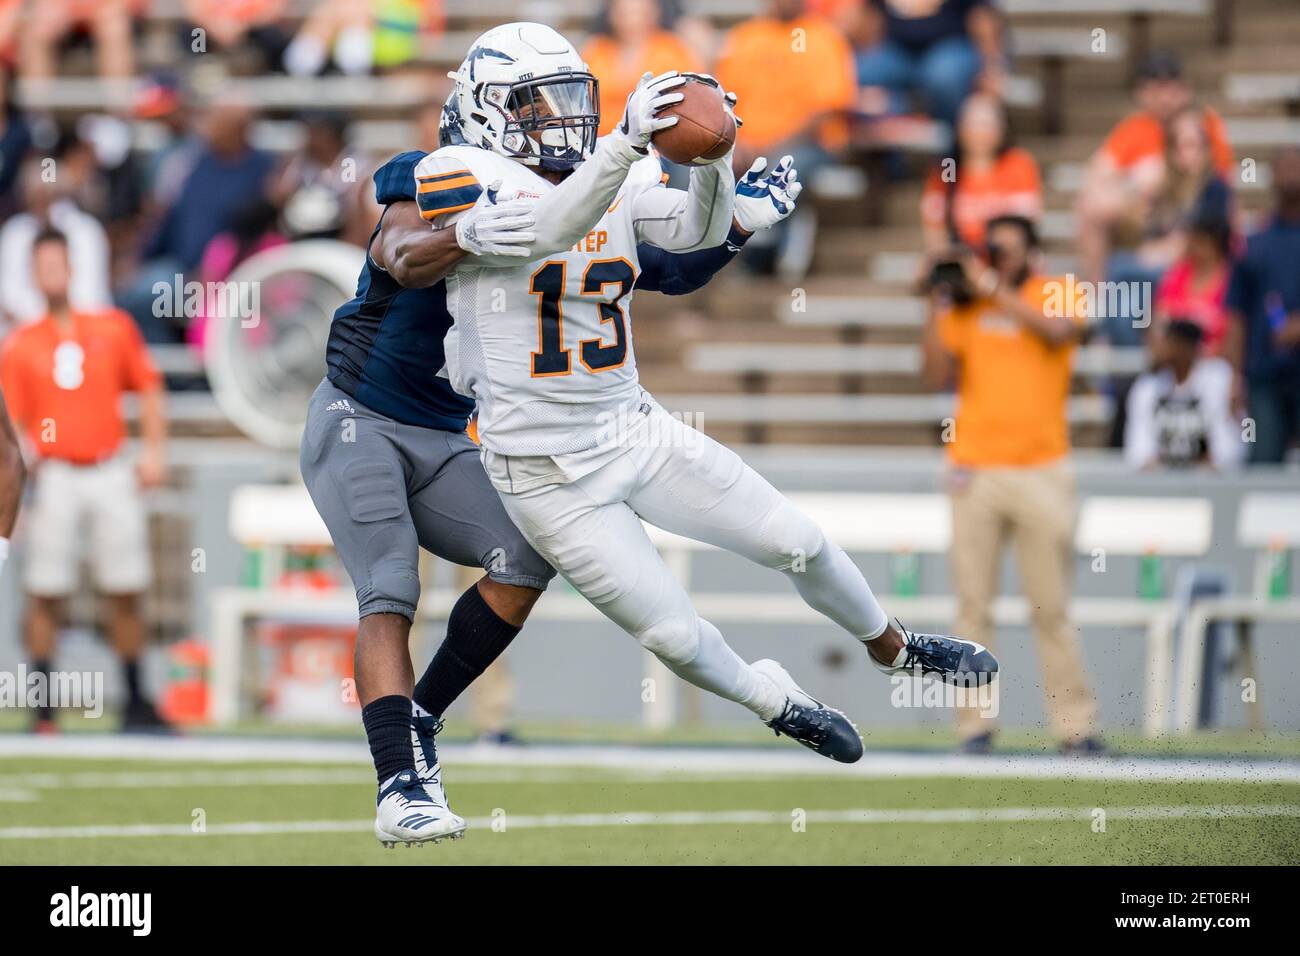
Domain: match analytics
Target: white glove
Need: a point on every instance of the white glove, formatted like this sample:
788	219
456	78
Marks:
488	229
640	120
764	200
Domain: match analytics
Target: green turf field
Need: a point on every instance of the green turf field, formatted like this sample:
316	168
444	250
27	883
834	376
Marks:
142	812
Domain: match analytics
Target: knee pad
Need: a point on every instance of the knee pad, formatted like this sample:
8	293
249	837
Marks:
674	639
394	581
790	538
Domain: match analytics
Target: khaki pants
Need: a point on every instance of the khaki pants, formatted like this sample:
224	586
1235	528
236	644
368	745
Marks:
1034	508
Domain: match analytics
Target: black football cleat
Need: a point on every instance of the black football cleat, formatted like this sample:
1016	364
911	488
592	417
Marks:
949	659
808	721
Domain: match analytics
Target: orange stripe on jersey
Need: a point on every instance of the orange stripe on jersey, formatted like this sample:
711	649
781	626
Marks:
440	185
443	211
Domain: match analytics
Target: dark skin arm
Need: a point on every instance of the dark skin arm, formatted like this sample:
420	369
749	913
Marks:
12	473
412	253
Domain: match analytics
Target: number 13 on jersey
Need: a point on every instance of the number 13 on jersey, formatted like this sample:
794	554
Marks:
548	283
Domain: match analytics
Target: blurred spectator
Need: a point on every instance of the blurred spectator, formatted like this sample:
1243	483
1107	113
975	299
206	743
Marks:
239	25
987	177
1189	189
1195	286
696	32
15	140
226	171
1128	171
792	96
162	99
64	377
313	186
937	47
106	24
11	20
634	44
252	230
227	174
1180	414
1263	341
49	203
1009	350
361	35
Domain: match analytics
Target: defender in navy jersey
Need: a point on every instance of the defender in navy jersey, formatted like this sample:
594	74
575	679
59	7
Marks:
390	468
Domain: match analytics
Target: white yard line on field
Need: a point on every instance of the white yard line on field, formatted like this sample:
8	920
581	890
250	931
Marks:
224	777
682	818
716	762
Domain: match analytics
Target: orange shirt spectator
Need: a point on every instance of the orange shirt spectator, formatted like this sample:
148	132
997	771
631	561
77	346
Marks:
786	73
618	75
1140	137
64	386
1012	386
1010	187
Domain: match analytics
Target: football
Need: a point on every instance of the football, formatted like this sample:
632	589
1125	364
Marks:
704	132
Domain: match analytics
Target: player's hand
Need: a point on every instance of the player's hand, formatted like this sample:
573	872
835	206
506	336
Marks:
151	470
491	229
764	199
641	118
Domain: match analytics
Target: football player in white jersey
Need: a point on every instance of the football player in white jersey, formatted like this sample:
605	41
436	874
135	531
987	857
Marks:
579	452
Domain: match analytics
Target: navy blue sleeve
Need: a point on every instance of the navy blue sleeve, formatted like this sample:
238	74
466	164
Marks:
395	180
677	273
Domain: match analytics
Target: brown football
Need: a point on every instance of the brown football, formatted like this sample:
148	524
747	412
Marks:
704	132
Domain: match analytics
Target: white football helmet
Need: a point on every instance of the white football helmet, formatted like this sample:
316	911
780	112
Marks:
523	92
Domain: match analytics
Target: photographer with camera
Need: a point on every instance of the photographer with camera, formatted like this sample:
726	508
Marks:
1005	335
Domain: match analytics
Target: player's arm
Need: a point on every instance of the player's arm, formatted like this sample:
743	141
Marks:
12	477
416	257
762	200
408	251
569	211
697	218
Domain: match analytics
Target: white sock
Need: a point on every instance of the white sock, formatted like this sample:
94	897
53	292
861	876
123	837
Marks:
4	555
832	584
720	670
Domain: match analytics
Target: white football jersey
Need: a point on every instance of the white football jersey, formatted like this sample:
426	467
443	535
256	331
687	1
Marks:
545	348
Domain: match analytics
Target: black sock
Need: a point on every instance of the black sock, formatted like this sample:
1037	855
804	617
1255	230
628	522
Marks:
131	673
475	638
388	728
43	666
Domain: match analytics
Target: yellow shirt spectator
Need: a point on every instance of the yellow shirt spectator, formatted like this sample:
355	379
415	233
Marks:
1012	386
784	73
618	73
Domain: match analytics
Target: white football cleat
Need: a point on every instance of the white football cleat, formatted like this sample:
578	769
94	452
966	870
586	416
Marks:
408	813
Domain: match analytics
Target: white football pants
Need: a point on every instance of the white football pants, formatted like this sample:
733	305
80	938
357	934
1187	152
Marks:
685	482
